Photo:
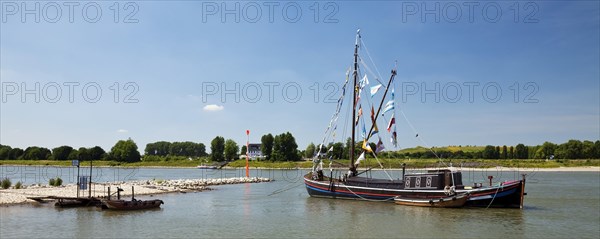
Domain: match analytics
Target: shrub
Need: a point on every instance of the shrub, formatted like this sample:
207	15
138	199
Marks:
18	185
55	182
5	183
58	182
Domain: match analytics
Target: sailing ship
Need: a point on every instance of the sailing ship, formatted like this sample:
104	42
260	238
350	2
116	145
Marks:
433	185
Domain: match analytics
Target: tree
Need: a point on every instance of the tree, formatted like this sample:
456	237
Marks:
504	152
200	150
36	153
597	149
96	153
266	146
217	148
545	150
178	149
83	154
511	152
569	150
62	152
588	151
15	153
338	150
310	151
347	148
4	151
74	155
285	148
160	148
531	150
231	149
489	152
243	150
125	151
521	151
497	152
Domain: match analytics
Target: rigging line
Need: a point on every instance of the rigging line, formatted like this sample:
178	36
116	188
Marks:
380	165
278	191
334	118
420	138
370	71
488	206
346	121
369	55
329	131
366	199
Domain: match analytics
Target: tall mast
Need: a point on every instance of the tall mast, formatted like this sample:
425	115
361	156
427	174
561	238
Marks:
381	103
355	89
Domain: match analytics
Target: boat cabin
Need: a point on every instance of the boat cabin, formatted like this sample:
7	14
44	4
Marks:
433	179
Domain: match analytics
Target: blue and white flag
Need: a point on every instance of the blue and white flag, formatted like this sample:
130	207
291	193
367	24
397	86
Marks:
374	89
388	106
363	82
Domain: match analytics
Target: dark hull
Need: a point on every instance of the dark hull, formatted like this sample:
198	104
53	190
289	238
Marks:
506	195
131	205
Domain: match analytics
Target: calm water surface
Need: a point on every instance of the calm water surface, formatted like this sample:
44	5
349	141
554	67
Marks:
558	205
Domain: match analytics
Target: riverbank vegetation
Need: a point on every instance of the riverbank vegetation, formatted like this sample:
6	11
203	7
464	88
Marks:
281	151
386	162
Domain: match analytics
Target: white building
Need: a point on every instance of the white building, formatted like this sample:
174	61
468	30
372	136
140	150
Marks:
254	152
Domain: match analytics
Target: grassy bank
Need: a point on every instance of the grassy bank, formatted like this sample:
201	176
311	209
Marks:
387	163
176	163
427	163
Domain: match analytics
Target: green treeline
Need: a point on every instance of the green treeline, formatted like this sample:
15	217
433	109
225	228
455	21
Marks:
572	149
282	147
123	151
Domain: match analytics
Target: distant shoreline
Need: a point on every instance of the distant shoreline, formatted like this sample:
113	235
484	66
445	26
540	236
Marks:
501	168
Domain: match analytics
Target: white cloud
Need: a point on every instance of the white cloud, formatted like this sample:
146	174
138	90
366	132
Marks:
122	131
213	108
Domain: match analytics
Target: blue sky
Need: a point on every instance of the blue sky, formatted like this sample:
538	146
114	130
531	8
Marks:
547	52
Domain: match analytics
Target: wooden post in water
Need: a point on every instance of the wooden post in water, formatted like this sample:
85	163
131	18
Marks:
78	180
90	187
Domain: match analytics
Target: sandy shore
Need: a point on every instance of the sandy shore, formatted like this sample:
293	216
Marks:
143	187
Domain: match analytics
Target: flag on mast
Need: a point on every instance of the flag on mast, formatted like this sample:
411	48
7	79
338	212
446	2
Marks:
360	158
375	130
380	146
388	106
392	122
366	146
364	131
375	89
372	114
393	139
359	115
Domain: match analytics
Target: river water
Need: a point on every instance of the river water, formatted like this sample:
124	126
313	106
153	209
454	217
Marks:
558	205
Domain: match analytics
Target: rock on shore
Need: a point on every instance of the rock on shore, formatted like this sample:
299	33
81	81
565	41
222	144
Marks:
141	187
